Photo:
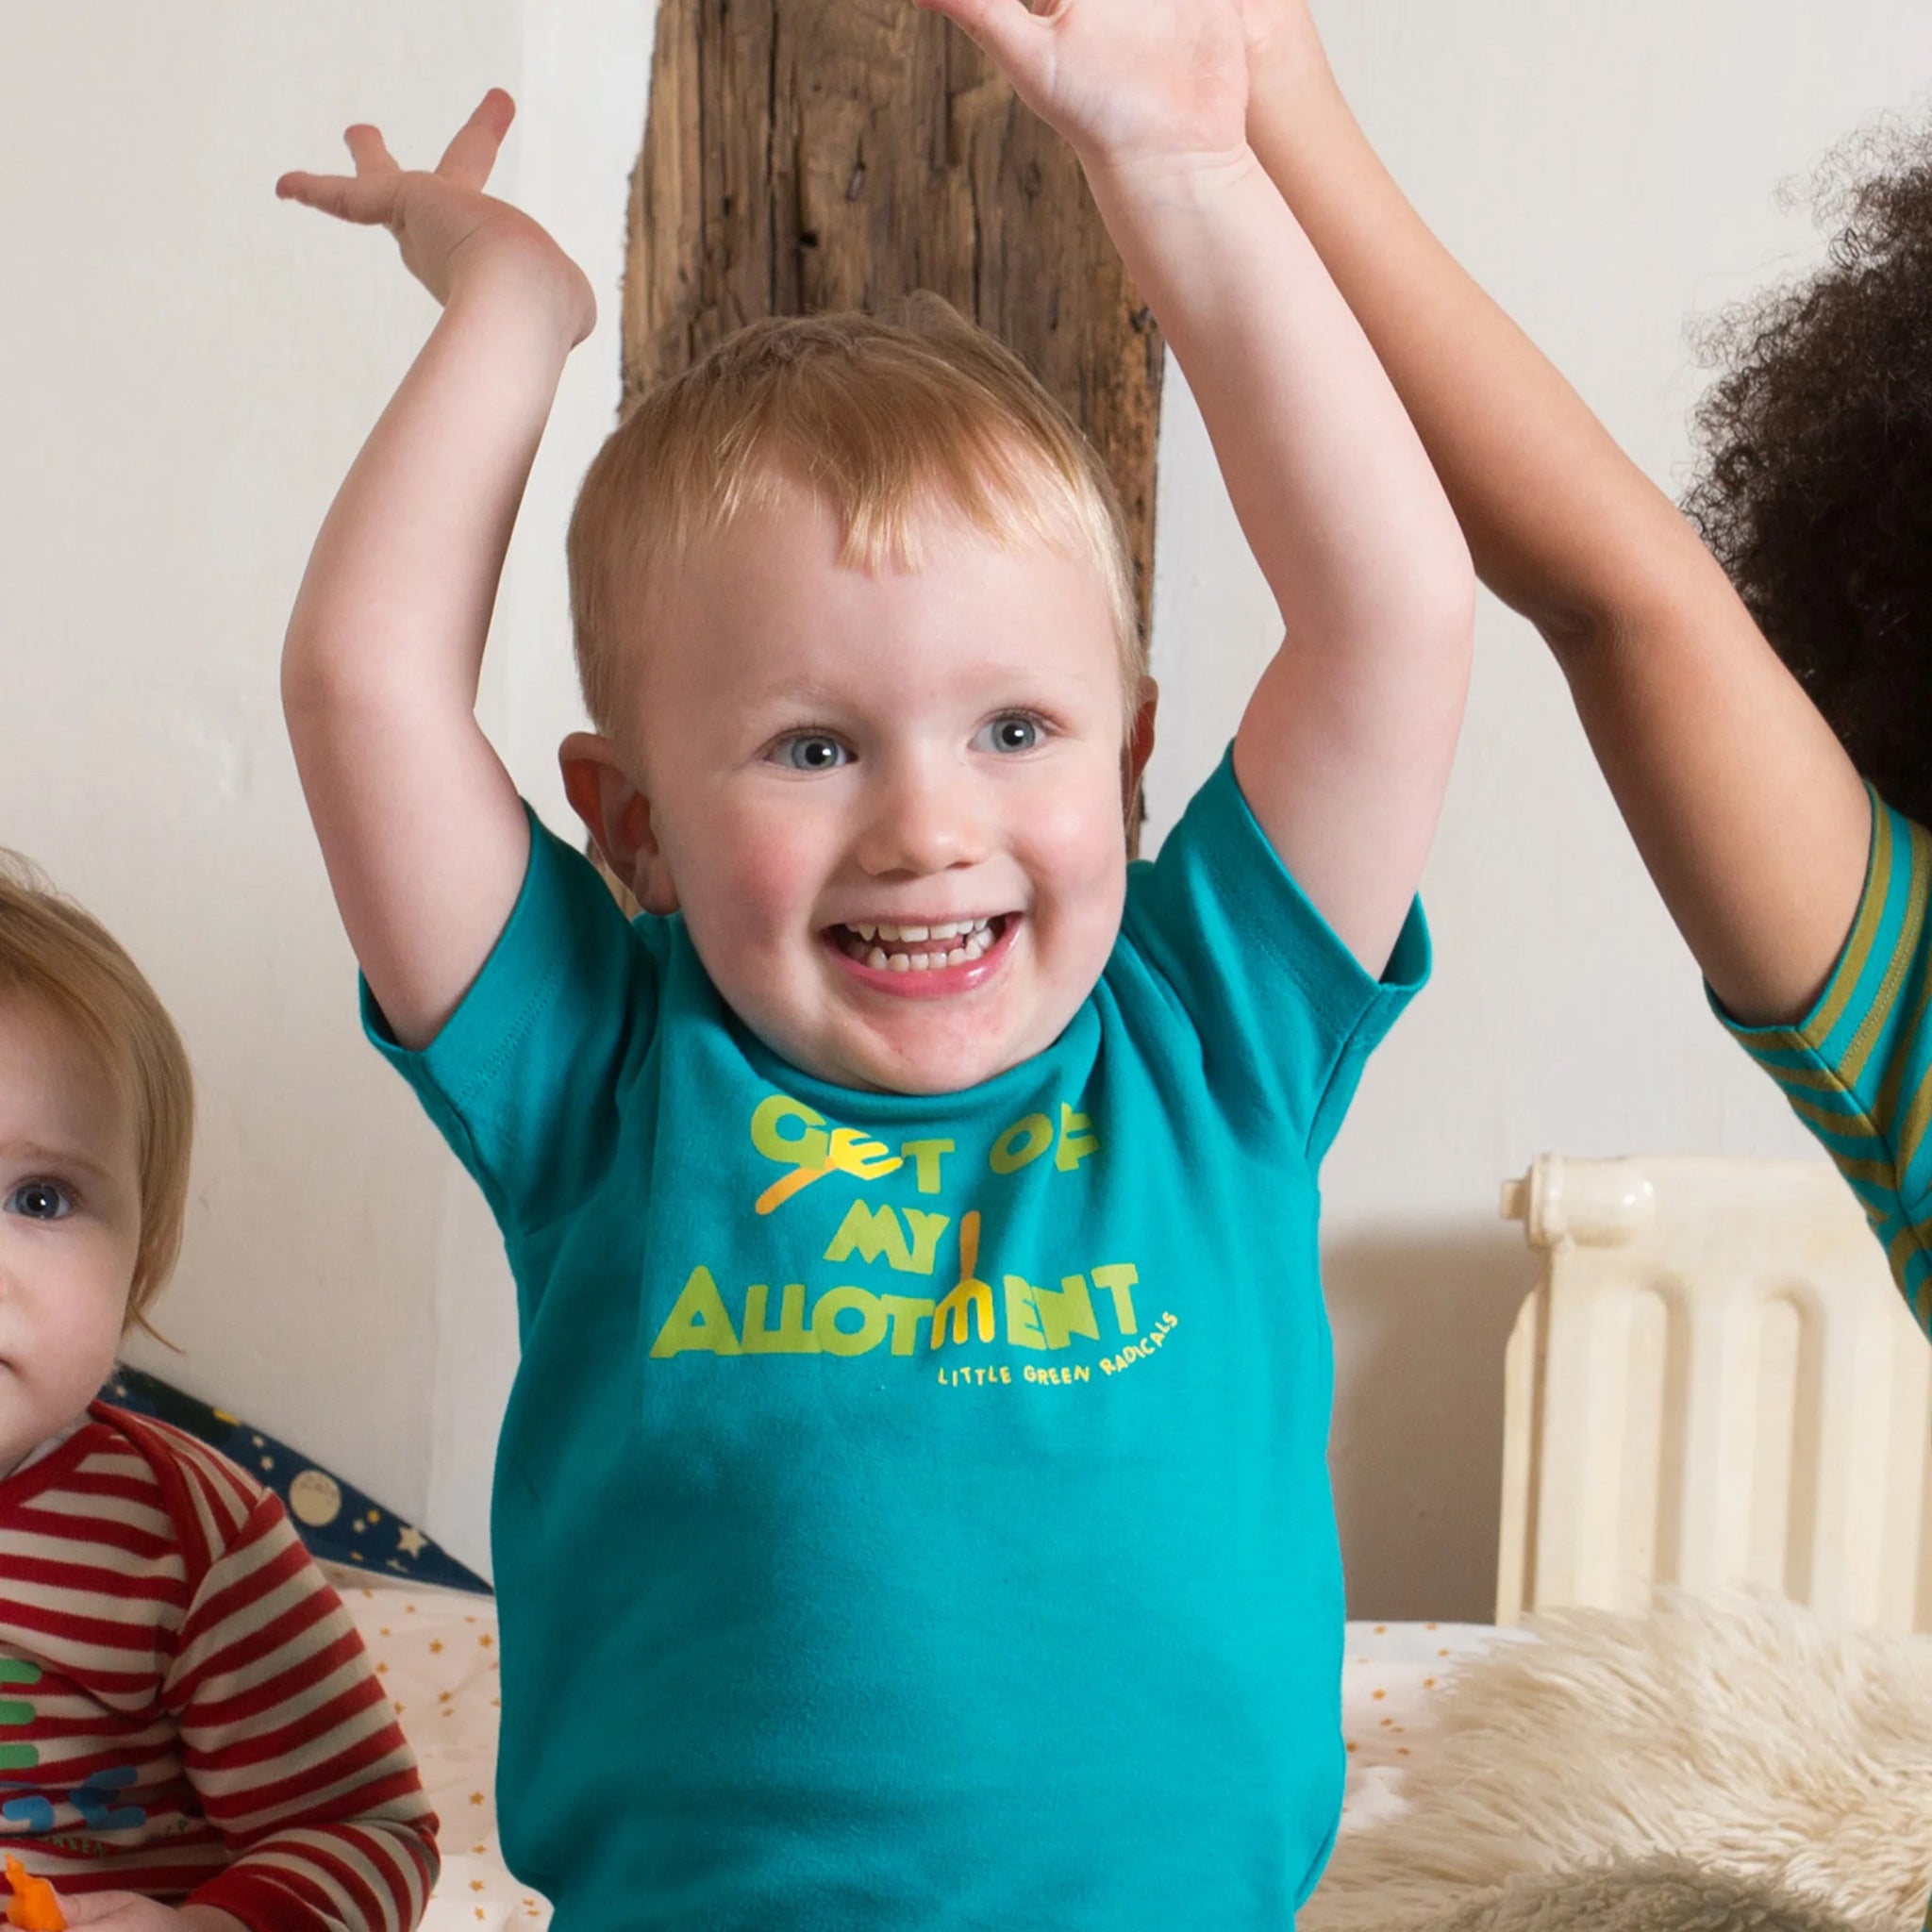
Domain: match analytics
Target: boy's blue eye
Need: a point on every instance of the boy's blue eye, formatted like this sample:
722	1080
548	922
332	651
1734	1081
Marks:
40	1201
1014	732
811	751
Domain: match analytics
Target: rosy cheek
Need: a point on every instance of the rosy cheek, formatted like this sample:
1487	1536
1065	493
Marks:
1075	847
762	881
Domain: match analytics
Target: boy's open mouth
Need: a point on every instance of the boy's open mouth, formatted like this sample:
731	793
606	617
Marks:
921	948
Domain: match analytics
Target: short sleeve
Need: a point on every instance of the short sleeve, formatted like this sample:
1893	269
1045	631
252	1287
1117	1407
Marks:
1857	1068
525	1077
1284	1013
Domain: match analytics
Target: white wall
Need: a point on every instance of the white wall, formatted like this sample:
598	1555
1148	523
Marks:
189	367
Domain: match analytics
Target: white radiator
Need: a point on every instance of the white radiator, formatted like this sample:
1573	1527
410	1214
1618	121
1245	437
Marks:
1714	1382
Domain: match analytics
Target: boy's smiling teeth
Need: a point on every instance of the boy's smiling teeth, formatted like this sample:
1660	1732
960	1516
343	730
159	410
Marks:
916	948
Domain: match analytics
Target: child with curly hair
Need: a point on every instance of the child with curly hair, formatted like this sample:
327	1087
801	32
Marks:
192	1736
1734	688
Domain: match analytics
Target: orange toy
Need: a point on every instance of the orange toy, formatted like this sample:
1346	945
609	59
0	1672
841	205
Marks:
33	1907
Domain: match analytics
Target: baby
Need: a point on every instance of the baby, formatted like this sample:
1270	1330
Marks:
912	1508
190	1734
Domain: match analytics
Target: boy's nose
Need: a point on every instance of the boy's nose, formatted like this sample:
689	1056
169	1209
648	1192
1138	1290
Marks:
926	822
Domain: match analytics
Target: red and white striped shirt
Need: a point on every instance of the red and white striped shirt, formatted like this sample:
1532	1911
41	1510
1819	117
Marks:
185	1709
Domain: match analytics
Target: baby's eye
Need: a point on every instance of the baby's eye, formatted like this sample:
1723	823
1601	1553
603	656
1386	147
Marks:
1016	731
811	750
38	1201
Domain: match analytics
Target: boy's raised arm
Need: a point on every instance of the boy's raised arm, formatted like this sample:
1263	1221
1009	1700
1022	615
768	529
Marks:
422	830
1748	814
1346	745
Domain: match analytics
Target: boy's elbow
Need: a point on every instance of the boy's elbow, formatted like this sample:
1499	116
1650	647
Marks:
315	706
1444	586
322	696
1441	605
308	680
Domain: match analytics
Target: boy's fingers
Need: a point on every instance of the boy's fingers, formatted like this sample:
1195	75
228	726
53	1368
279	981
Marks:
470	156
1007	30
367	149
368	198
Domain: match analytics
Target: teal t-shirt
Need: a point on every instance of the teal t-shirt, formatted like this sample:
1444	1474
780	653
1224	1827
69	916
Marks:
910	1511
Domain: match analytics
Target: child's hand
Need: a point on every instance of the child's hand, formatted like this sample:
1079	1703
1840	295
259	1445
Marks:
444	222
128	1911
1124	81
1281	40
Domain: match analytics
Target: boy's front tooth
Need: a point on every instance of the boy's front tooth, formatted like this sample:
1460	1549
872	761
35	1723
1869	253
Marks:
912	932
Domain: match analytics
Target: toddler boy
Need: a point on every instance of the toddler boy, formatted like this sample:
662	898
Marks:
911	1509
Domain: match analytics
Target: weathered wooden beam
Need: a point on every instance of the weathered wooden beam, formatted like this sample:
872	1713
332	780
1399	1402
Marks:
809	155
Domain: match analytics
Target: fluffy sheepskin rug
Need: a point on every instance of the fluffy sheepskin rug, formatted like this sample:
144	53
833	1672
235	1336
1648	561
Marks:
1647	1895
1748	1737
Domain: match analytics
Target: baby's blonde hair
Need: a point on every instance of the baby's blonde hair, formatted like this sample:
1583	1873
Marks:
53	952
884	419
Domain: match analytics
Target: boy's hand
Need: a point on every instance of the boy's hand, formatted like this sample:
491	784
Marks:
1124	82
1345	746
425	840
444	222
1282	43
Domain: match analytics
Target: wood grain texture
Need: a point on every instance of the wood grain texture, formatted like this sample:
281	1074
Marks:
809	155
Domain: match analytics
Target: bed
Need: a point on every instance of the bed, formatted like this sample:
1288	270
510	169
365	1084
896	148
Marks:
436	1650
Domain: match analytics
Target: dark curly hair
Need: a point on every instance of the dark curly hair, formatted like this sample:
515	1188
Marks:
1814	483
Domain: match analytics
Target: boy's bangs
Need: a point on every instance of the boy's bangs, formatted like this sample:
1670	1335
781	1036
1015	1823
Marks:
882	490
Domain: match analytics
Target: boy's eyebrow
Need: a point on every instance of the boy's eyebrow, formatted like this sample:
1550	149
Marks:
40	1154
786	690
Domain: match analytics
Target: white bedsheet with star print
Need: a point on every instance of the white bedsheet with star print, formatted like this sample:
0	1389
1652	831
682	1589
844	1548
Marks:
436	1652
1390	1675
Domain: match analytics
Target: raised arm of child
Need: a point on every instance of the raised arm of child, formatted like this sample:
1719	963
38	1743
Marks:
424	835
1747	811
1346	744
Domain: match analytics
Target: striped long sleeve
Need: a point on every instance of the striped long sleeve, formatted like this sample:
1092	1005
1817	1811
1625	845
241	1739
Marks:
1857	1068
185	1709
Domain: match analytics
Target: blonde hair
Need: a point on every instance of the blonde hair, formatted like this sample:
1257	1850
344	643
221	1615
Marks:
883	419
53	952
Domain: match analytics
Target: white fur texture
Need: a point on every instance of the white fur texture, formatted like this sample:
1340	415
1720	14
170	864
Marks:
1748	1737
1650	1895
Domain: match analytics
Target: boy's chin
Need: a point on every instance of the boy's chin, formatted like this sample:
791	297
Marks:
910	1064
917	1073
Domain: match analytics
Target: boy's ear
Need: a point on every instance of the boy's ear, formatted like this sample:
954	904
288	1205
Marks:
1136	751
618	817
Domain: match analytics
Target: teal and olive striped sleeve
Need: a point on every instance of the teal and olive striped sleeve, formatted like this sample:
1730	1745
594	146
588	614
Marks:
1857	1068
